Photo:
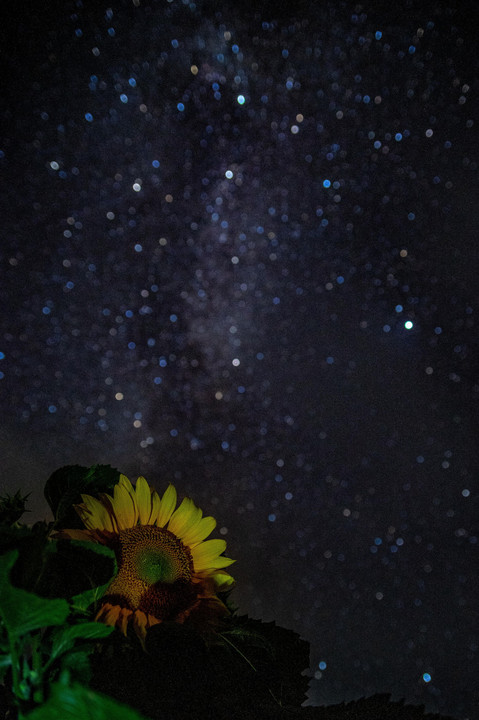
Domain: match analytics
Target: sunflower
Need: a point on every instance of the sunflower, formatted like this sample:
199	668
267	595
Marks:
167	570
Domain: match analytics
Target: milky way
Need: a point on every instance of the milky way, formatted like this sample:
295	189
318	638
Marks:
238	252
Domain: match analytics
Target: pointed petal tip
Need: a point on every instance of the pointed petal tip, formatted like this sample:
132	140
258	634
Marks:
143	500
167	505
125	481
199	531
124	507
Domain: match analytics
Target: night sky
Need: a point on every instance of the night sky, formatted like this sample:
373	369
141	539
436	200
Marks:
239	253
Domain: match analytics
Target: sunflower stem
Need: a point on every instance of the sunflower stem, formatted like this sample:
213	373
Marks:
38	694
15	668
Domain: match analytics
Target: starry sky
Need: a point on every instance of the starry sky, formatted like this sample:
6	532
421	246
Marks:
238	253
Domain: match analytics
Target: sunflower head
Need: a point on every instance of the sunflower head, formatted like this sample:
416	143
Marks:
167	569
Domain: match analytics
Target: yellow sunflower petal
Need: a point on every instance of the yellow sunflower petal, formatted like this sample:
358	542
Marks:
124	482
199	531
122	623
100	517
102	611
184	518
155	508
110	615
139	625
107	501
124	508
85	515
206	553
223	581
167	505
222	562
143	500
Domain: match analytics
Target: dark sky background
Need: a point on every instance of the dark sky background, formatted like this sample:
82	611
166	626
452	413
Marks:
239	252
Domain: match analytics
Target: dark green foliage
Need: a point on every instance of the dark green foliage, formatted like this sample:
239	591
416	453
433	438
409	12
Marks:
74	567
37	636
76	702
88	599
34	551
268	656
22	611
64	638
257	677
77	663
250	664
11	536
65	486
57	664
174	677
56	569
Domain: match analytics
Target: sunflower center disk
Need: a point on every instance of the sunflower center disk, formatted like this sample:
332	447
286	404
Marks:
154	572
157	566
154	555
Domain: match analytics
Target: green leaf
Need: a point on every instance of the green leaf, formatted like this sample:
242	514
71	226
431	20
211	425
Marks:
76	663
75	566
75	702
35	552
22	611
94	547
5	660
5	663
82	601
11	536
64	638
248	637
277	657
64	487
